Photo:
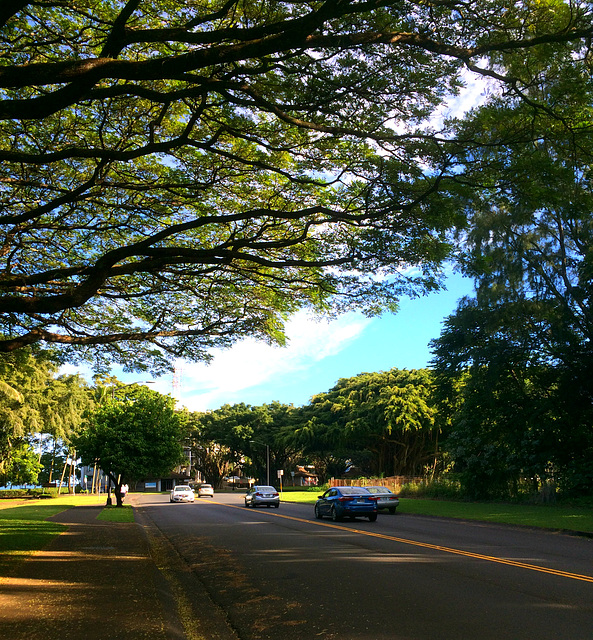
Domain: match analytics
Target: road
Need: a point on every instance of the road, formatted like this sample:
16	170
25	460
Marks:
279	574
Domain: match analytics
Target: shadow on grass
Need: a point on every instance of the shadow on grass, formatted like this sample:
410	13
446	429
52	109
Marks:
24	530
27	535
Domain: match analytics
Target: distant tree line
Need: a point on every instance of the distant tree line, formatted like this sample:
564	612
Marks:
499	426
497	432
49	421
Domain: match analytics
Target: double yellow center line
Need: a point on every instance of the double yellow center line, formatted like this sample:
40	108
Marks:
426	545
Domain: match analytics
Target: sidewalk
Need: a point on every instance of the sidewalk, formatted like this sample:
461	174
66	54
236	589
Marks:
97	581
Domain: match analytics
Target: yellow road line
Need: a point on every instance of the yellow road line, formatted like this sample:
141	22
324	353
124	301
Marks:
426	545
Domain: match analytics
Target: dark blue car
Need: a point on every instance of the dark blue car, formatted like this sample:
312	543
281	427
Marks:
346	502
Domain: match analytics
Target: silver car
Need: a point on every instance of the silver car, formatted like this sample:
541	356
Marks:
182	493
386	499
206	491
260	495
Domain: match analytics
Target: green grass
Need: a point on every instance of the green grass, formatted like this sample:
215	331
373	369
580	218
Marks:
544	516
117	514
307	497
24	528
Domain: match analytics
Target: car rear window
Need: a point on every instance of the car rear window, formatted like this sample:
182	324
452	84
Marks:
348	491
181	488
271	489
378	489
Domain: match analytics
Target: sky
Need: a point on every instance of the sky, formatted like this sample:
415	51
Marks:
317	355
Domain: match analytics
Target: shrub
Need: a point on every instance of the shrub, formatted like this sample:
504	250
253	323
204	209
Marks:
446	488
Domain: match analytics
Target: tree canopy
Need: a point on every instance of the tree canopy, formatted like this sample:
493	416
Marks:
37	407
239	437
175	176
383	422
522	347
133	437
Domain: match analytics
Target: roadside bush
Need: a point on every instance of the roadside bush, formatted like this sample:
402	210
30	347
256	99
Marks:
446	488
6	494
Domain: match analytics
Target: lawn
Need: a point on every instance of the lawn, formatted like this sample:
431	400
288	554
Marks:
24	528
544	516
117	514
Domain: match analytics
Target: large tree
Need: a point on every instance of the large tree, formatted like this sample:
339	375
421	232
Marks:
243	436
176	176
36	407
384	421
23	467
523	345
135	434
507	428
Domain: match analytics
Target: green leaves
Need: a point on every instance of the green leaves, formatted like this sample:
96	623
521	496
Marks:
178	175
389	415
515	362
134	438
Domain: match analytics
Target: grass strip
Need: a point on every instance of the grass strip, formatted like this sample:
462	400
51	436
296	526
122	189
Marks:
24	528
544	516
117	514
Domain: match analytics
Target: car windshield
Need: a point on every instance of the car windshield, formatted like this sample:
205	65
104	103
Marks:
181	488
206	486
349	491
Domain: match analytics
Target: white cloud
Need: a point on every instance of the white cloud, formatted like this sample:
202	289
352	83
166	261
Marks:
251	363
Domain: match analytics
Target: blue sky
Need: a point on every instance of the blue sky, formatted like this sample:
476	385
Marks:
317	355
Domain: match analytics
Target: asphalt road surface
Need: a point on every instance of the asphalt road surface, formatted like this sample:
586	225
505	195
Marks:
280	574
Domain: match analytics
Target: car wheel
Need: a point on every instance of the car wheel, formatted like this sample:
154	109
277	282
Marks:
276	506
318	513
335	516
372	517
246	504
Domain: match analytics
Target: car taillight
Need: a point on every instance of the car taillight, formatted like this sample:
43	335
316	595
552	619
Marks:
345	499
373	498
257	493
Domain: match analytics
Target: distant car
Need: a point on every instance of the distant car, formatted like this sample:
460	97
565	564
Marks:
341	502
206	491
182	493
386	499
260	495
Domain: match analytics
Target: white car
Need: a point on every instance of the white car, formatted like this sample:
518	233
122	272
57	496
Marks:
182	493
206	491
386	499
